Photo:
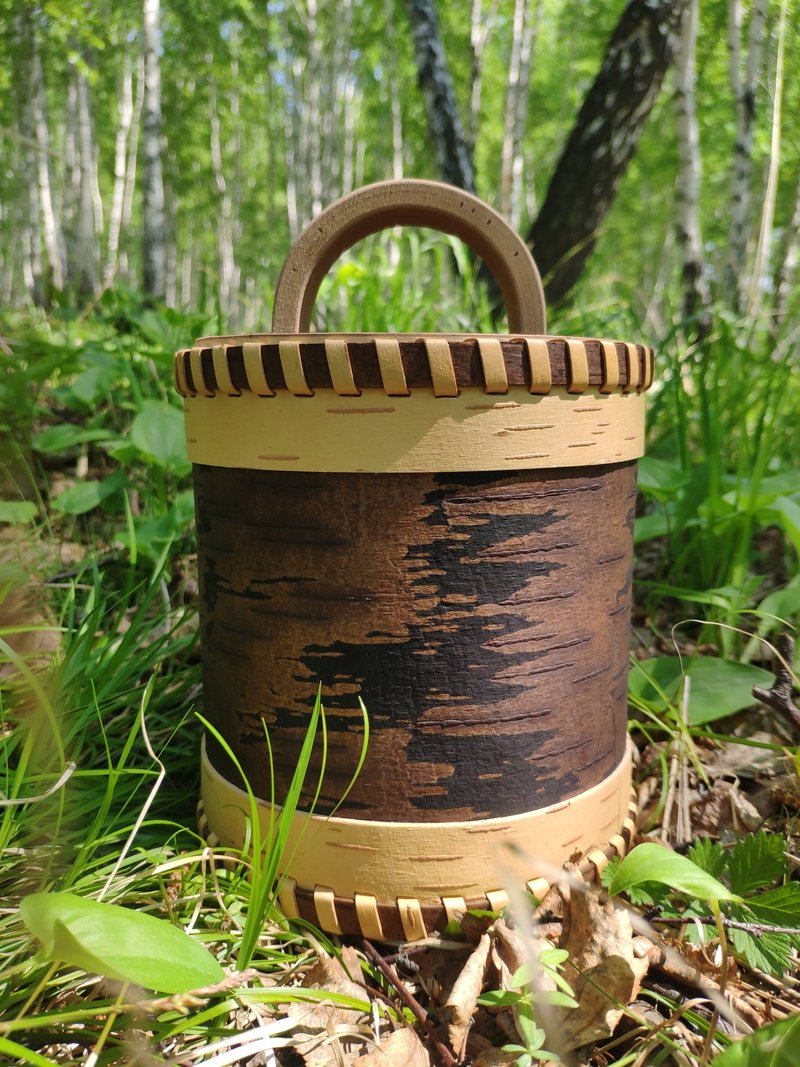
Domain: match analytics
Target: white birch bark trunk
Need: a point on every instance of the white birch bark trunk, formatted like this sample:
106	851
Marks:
53	238
787	271
312	124
291	128
227	266
480	29
760	277
152	175
393	85
130	171
744	87
524	29
696	294
125	113
85	276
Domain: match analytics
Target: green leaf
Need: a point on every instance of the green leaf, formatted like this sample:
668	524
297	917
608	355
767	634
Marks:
710	856
755	861
655	863
119	943
660	479
719	687
776	1045
84	496
158	432
771	953
17	511
780	907
786	513
65	436
499	998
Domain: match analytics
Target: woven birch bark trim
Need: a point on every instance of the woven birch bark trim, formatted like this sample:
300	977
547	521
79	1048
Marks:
374	433
402	881
444	364
407	919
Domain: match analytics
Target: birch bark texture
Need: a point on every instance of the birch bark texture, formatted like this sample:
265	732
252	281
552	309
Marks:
694	280
603	140
527	14
53	237
744	86
453	157
155	234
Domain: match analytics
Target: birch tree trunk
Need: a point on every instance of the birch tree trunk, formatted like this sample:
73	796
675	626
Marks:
696	293
84	277
394	93
743	87
603	140
125	112
759	279
130	168
787	271
313	126
452	154
480	29
53	238
227	266
153	182
525	25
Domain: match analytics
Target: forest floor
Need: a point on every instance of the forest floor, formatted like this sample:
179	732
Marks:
688	962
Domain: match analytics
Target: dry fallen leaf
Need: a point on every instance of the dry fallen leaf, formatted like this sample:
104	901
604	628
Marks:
401	1049
462	1001
605	968
495	1057
327	1035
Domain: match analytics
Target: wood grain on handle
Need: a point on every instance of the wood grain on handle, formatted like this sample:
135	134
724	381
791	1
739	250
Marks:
409	203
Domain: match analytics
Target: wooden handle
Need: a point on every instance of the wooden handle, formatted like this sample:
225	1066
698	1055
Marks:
409	203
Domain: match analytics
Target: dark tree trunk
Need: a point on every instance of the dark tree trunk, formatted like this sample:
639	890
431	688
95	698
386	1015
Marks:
453	157
603	140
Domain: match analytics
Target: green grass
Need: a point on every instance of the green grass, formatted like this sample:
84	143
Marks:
99	754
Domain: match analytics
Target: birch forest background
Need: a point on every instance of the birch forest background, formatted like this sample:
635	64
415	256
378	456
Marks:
650	151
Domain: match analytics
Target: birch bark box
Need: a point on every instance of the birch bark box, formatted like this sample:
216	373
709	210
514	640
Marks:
440	525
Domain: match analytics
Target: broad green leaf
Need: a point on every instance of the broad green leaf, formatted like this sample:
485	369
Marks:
647	527
17	510
775	1045
84	496
65	436
656	863
659	478
781	604
119	943
719	687
499	998
786	512
158	432
755	861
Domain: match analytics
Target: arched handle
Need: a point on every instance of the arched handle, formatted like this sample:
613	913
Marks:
409	203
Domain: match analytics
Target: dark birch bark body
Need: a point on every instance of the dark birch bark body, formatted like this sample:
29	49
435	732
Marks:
603	140
483	618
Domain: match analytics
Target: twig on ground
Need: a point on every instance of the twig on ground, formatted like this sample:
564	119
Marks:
442	1051
732	924
779	696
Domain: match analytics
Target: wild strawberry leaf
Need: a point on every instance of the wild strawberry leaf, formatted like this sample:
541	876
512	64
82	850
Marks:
756	860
